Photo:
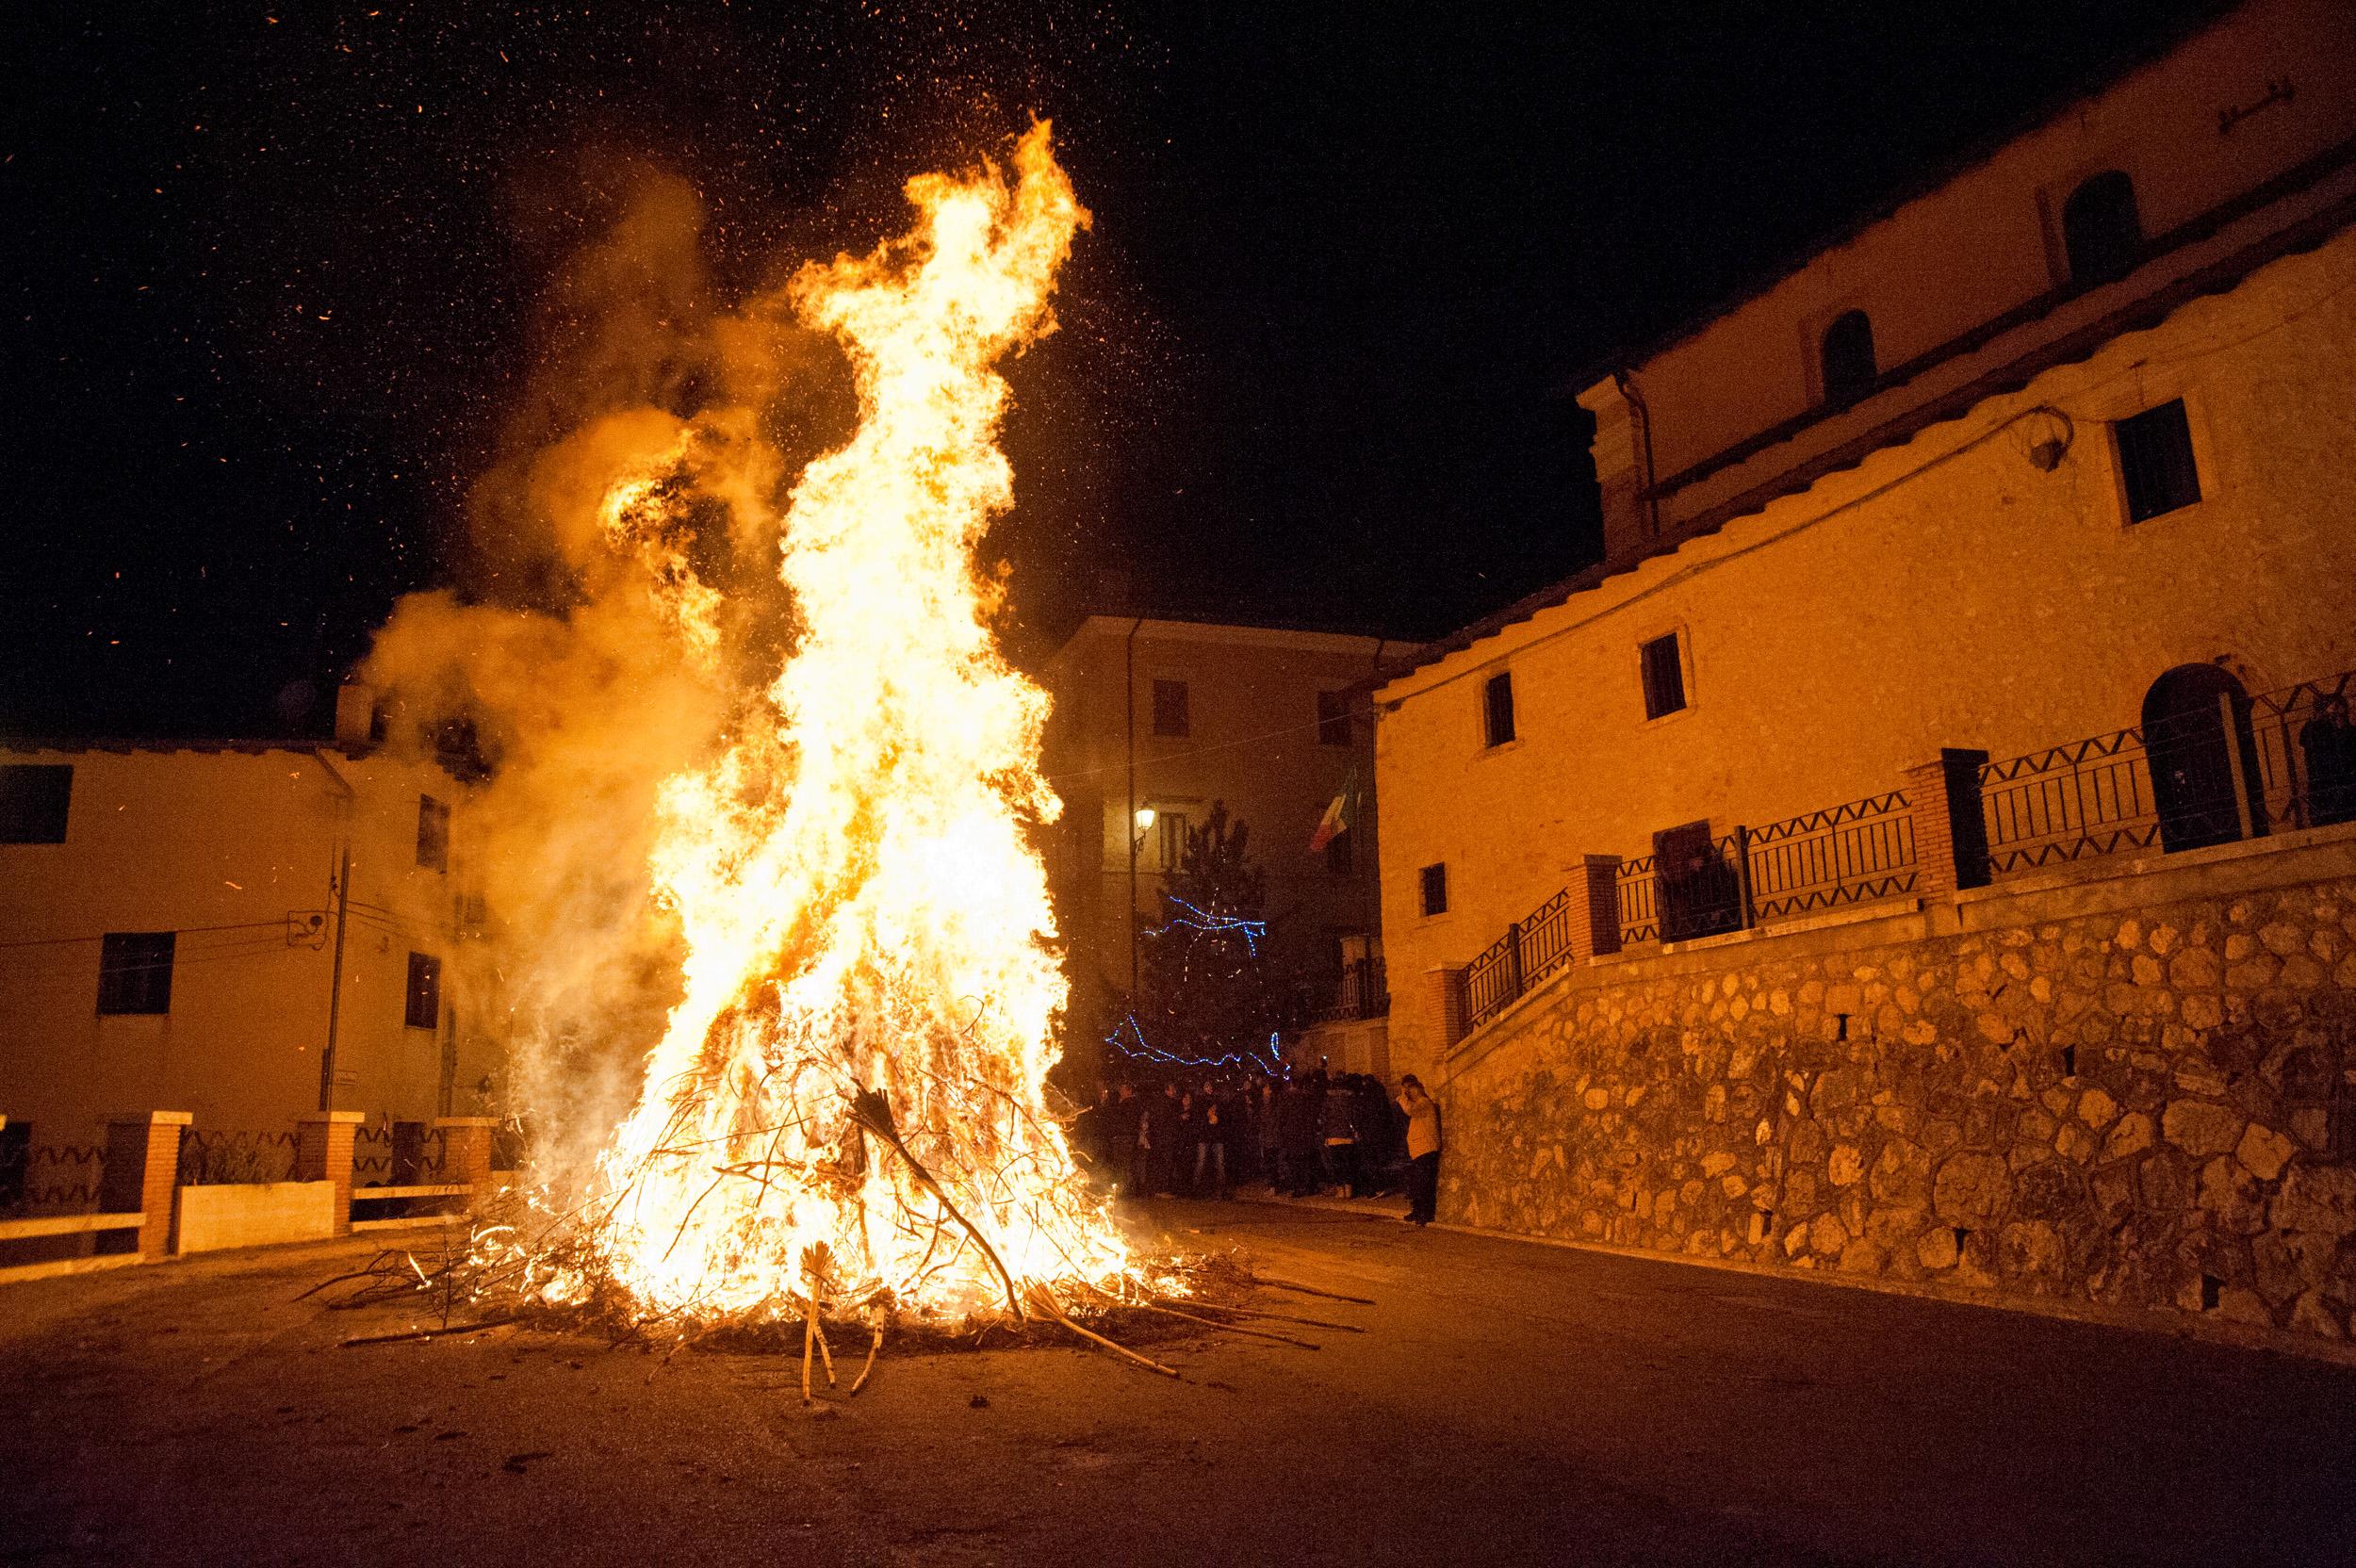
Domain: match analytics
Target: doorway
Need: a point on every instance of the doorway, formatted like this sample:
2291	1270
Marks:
2200	786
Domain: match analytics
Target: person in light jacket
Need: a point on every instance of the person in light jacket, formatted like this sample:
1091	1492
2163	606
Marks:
1423	1150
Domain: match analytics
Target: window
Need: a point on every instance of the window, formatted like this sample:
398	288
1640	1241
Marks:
1435	889
1332	718
2155	461
135	972
33	799
1664	676
1337	852
1847	358
2102	236
1169	708
432	834
424	1009
1171	825
1497	709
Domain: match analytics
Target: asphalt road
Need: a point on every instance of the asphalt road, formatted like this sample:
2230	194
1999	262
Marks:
1505	1403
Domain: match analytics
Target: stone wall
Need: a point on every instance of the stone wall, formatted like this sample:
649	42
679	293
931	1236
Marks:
2147	1106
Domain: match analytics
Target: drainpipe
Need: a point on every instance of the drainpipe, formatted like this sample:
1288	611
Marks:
1129	821
1627	384
343	908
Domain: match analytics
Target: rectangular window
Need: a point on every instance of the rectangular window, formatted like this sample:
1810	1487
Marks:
1169	708
1664	676
1171	825
33	800
1497	709
432	834
424	1011
1332	718
135	972
2155	461
1337	852
1435	890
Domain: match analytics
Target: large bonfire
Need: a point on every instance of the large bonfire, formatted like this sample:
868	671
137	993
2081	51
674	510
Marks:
851	1097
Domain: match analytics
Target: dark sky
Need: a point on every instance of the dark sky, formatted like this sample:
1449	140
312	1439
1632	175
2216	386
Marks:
271	282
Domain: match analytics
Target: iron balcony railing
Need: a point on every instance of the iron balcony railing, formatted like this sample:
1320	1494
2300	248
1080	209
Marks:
1851	854
1532	949
1358	990
2281	759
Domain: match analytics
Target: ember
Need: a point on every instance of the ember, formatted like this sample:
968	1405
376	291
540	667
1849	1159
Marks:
856	1074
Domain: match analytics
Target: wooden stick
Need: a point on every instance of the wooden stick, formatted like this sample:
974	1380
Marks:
873	1345
1232	1328
825	1353
809	1329
429	1334
1312	1290
1054	1309
1273	1316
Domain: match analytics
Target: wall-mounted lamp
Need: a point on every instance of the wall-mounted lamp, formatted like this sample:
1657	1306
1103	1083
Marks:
2045	436
1144	826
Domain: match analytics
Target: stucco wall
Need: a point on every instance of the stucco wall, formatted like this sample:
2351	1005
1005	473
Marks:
2135	1086
222	846
1944	593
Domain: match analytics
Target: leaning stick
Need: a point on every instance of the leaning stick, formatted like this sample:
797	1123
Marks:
428	1334
873	1345
1232	1328
871	1110
809	1330
1272	1316
1048	1303
826	1354
1312	1290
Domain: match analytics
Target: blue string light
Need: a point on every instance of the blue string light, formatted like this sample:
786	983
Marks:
1252	929
1154	1053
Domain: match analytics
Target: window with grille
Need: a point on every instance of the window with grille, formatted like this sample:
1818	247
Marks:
1497	709
33	801
2102	234
1663	670
135	972
1171	825
432	834
1332	718
1169	708
424	1009
1847	358
2155	461
1435	880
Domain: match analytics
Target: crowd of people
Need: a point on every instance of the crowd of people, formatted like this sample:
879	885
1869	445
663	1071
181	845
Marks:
1181	1134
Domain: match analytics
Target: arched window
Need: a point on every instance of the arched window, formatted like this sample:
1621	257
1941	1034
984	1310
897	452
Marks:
1848	358
2100	232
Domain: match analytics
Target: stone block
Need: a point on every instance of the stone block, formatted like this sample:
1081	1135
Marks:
2310	1315
1937	1250
2199	1127
2320	1200
2234	1200
1971	1188
1845	1166
2264	1152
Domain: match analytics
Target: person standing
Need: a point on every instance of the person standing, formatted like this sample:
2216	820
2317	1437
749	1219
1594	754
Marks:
1213	1121
2330	743
1163	1116
1118	1127
1423	1150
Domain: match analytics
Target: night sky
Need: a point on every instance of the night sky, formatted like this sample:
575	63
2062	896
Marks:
277	283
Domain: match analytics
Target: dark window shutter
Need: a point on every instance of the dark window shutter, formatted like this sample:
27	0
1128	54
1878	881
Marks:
1663	675
2101	232
1498	705
33	802
2155	461
1847	360
424	1011
135	972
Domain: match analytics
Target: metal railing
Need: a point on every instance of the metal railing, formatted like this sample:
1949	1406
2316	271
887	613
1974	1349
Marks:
1532	948
1358	990
2281	759
56	1179
227	1158
1852	854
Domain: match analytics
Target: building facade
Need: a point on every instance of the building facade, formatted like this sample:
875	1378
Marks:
1155	722
239	930
1999	547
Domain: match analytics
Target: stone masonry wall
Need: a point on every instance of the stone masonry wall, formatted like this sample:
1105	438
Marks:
2151	1109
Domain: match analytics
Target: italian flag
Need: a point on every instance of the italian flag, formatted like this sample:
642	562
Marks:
1338	816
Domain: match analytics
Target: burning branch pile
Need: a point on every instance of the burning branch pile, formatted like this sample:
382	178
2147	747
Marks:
846	1113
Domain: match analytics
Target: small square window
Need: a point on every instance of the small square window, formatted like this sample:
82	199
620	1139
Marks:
424	1009
1497	709
1169	708
33	802
1664	676
135	972
432	834
1435	889
1338	853
1332	718
2155	461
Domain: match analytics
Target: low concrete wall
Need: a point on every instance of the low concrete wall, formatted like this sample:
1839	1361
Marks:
256	1214
2134	1084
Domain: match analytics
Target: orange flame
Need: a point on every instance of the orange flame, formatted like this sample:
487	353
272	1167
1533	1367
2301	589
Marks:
860	908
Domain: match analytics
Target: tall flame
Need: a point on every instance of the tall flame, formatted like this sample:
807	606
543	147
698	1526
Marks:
860	909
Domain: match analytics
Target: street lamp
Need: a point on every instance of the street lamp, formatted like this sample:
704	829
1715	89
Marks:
1145	826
